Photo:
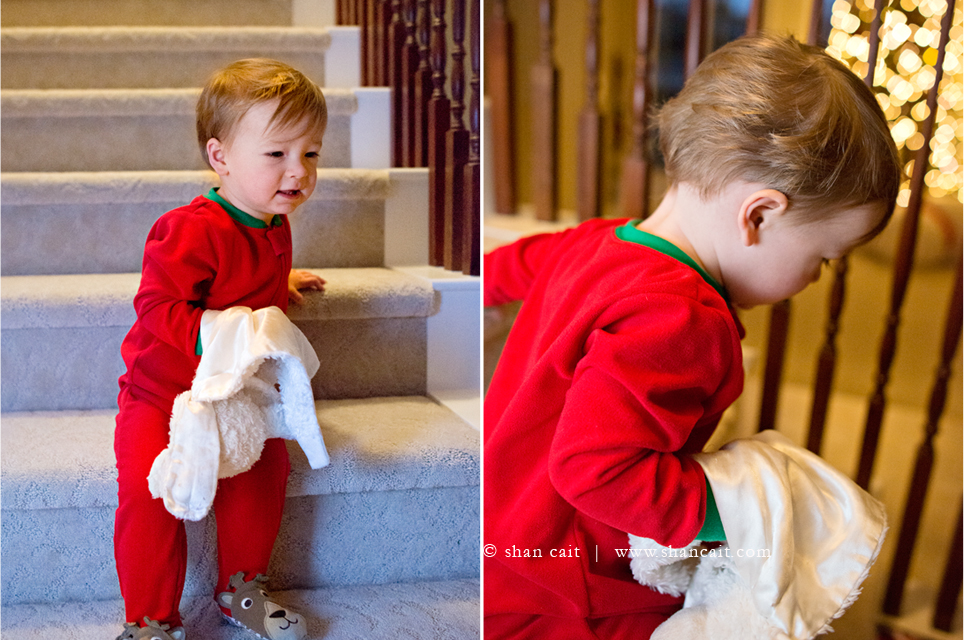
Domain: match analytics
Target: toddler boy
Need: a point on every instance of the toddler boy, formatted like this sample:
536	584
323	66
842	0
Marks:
626	350
260	125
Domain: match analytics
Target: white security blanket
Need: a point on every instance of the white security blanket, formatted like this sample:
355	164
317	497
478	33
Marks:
253	383
801	538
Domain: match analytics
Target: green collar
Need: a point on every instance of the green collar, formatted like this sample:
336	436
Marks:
630	233
246	219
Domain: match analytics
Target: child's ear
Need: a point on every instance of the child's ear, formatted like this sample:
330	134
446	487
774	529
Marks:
215	152
758	210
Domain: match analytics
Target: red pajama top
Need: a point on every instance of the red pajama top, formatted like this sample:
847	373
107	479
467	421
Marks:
206	255
622	359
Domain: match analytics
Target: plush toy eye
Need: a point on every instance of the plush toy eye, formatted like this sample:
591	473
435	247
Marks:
247	603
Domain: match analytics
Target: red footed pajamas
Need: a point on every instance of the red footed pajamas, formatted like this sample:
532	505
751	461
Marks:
206	255
622	358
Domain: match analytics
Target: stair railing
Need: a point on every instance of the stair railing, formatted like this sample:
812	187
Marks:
405	46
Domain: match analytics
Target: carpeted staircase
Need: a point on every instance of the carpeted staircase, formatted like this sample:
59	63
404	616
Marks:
97	142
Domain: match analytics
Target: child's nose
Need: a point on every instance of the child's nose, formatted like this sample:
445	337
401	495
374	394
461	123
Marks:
299	168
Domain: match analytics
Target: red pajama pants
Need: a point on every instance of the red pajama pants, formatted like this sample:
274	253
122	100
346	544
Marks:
517	626
150	545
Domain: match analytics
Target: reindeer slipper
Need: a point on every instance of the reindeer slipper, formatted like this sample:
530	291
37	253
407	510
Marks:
252	609
152	631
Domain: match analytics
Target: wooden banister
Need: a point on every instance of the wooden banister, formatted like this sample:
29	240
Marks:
394	44
456	147
827	360
438	123
543	76
635	177
423	82
409	65
588	152
773	373
951	582
471	241
917	494
695	35
905	261
498	79
754	17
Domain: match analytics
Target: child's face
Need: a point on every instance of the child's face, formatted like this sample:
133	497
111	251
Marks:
265	172
790	255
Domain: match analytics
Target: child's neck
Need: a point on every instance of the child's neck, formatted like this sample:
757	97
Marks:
681	218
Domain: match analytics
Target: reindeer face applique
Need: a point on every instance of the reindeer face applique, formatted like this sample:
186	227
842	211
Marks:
152	630
252	608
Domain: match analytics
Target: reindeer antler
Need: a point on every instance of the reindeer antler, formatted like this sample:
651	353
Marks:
237	580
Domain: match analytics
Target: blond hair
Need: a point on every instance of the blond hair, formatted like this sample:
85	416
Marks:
233	90
771	110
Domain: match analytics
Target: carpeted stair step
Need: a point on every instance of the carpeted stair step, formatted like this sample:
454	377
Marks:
55	223
155	57
58	13
399	503
62	334
154	129
445	610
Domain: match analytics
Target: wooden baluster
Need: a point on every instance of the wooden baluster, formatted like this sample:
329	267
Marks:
340	12
438	124
951	583
695	35
917	493
544	120
409	56
384	42
827	360
905	261
423	82
587	143
498	62
472	227
634	181
816	22
456	146
754	17
396	40
773	375
365	23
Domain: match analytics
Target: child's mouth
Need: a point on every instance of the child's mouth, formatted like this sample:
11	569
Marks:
290	193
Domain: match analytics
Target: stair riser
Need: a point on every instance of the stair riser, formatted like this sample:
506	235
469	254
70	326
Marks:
62	555
56	369
139	69
54	13
127	143
71	239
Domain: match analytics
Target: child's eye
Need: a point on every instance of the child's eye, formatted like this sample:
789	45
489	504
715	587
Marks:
276	154
312	154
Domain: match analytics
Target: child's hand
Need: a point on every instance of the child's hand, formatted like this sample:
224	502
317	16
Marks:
298	279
